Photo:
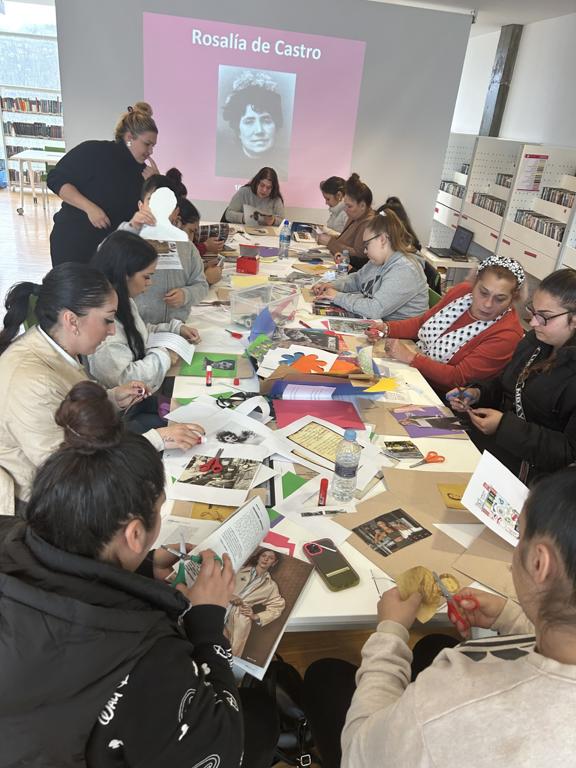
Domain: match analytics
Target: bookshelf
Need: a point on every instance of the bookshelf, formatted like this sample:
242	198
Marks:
452	187
538	232
490	183
30	118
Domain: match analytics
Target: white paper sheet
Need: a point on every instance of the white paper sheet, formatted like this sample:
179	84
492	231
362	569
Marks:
172	341
496	497
301	392
459	455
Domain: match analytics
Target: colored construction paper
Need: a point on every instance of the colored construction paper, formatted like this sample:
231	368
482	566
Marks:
223	365
340	413
384	385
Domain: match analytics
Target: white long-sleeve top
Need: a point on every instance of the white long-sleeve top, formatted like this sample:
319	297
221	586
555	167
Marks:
113	362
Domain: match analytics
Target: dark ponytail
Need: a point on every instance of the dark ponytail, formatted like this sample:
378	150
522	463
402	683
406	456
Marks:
550	511
99	479
119	257
171	180
71	286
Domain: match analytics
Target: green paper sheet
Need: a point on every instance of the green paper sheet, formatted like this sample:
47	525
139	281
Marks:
223	366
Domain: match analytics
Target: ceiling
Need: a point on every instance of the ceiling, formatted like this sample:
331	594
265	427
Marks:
493	14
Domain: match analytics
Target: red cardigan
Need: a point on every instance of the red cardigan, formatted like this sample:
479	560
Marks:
483	357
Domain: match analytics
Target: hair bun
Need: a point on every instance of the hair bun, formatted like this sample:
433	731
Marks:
354	178
143	107
90	421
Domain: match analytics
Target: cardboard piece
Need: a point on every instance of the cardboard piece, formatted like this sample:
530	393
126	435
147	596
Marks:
420	489
380	414
437	551
488	561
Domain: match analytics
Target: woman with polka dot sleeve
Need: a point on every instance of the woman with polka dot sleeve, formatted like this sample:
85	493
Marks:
470	335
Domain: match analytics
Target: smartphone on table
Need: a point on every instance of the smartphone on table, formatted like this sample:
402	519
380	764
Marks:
334	569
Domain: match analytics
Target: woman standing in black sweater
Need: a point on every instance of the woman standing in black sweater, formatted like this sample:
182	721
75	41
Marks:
99	183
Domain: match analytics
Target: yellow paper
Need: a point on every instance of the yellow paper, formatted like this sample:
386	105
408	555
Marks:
452	495
247	281
384	385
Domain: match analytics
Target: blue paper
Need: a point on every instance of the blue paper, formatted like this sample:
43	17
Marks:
263	324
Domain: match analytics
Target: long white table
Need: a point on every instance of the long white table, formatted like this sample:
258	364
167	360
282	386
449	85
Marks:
27	157
318	608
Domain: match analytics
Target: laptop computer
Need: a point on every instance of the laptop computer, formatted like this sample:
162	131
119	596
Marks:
458	247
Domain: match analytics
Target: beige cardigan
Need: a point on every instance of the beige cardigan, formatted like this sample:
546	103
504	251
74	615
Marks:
485	703
34	379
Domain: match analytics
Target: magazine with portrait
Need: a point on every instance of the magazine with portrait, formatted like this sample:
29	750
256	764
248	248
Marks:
268	584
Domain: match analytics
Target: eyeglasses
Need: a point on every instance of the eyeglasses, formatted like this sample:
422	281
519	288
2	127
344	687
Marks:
543	319
365	242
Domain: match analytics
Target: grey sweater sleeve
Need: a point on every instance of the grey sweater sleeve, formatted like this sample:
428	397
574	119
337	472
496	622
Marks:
278	211
348	284
235	210
396	288
196	287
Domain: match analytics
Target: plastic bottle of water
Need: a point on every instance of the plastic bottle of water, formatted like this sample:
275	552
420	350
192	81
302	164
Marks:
285	238
347	459
343	264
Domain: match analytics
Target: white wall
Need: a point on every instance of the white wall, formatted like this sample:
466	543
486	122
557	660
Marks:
412	67
474	83
541	106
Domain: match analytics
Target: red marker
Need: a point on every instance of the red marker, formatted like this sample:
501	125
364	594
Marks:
323	492
235	334
208	375
236	382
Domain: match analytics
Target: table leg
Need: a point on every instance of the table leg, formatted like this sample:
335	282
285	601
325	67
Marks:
21	171
31	174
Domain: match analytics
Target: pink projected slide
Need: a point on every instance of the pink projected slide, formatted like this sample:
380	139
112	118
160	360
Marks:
229	99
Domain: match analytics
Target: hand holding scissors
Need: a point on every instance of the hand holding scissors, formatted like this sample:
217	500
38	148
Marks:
454	615
431	458
213	465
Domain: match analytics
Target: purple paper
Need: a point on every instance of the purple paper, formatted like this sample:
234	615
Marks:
427	421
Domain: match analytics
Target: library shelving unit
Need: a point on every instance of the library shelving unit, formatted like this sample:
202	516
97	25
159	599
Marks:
31	118
490	182
452	187
537	231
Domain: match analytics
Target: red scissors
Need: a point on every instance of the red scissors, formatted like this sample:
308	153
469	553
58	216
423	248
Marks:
213	465
454	614
431	458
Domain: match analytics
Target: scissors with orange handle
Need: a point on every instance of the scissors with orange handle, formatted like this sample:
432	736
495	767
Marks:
431	458
213	465
454	614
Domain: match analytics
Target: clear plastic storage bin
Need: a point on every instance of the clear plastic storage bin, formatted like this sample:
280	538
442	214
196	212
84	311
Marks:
247	303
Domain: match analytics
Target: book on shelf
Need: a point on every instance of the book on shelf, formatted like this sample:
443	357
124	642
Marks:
33	130
540	223
563	197
19	104
465	168
452	188
489	202
504	179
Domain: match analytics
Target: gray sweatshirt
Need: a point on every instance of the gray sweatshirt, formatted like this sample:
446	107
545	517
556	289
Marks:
151	304
391	291
268	205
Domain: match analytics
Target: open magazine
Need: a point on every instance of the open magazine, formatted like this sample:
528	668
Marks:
268	583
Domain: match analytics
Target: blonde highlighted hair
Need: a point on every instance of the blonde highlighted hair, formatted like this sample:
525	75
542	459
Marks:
388	223
136	120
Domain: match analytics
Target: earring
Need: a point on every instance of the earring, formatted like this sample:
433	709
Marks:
128	143
76	332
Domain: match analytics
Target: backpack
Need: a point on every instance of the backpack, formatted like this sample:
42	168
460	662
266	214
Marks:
285	686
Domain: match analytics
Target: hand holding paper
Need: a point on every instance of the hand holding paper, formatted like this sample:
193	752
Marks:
172	341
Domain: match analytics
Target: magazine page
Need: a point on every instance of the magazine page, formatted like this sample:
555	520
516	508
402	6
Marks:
267	588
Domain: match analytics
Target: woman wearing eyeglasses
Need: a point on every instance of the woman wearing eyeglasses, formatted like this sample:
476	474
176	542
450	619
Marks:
526	416
392	285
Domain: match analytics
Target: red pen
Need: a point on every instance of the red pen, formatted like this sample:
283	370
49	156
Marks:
323	492
208	375
304	324
234	334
